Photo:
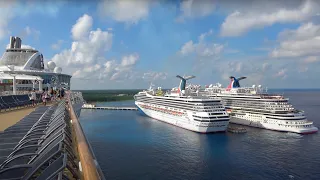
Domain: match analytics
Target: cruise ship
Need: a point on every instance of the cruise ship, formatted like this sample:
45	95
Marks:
253	106
184	108
23	69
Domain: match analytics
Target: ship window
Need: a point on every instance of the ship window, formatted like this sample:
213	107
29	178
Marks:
15	58
37	63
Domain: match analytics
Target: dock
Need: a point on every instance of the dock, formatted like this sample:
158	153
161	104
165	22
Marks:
111	108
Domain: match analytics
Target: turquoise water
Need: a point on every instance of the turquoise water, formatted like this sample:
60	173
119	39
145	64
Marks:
131	146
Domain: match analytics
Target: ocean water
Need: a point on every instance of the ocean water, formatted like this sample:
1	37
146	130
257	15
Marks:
131	146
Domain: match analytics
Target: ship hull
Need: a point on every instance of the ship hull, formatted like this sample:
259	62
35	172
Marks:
182	121
275	127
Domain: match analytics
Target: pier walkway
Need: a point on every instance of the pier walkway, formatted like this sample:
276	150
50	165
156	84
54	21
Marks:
112	108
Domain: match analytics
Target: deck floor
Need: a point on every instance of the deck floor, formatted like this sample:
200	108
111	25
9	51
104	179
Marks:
9	118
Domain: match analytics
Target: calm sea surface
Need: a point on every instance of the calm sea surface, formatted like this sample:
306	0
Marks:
131	146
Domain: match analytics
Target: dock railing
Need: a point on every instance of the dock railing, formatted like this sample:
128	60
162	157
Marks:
89	164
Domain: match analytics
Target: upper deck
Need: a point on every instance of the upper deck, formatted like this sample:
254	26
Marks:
254	93
174	95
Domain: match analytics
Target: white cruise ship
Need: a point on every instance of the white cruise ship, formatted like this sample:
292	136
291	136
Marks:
23	69
253	106
181	107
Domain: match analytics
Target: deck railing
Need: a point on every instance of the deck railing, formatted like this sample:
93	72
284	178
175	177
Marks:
8	93
89	164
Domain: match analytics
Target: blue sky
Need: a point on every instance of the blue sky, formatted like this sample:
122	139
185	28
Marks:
115	44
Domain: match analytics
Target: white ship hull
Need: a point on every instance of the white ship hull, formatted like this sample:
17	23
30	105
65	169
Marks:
261	124
185	121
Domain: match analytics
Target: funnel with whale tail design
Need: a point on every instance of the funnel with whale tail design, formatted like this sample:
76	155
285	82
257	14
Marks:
235	82
182	86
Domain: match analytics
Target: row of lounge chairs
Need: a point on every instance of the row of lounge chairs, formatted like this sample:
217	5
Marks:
40	146
16	101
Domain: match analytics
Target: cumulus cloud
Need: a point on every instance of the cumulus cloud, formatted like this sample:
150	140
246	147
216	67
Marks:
195	8
112	69
87	72
261	15
23	46
304	41
311	59
256	70
266	67
85	59
282	73
154	76
130	12
88	46
82	28
28	31
57	45
202	48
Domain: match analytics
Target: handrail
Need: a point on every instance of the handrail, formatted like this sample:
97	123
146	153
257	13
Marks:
89	167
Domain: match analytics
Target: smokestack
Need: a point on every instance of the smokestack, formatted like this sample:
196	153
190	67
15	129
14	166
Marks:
17	43
12	41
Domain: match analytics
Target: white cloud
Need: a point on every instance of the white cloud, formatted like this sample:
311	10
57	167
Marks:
311	59
57	45
202	48
111	70
282	73
6	16
89	45
187	48
28	31
87	71
14	8
195	8
82	28
154	76
261	15
120	71
86	57
266	67
304	41
129	60
130	12
204	35
23	46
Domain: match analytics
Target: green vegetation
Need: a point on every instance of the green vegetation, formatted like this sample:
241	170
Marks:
108	95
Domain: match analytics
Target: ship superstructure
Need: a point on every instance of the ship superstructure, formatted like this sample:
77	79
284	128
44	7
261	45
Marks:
184	108
24	68
254	106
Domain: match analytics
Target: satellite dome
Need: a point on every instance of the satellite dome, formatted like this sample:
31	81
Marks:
51	65
57	70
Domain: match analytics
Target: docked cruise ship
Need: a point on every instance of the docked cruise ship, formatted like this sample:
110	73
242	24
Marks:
184	108
253	106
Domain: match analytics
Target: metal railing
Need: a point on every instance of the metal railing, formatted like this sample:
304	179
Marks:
8	93
90	167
